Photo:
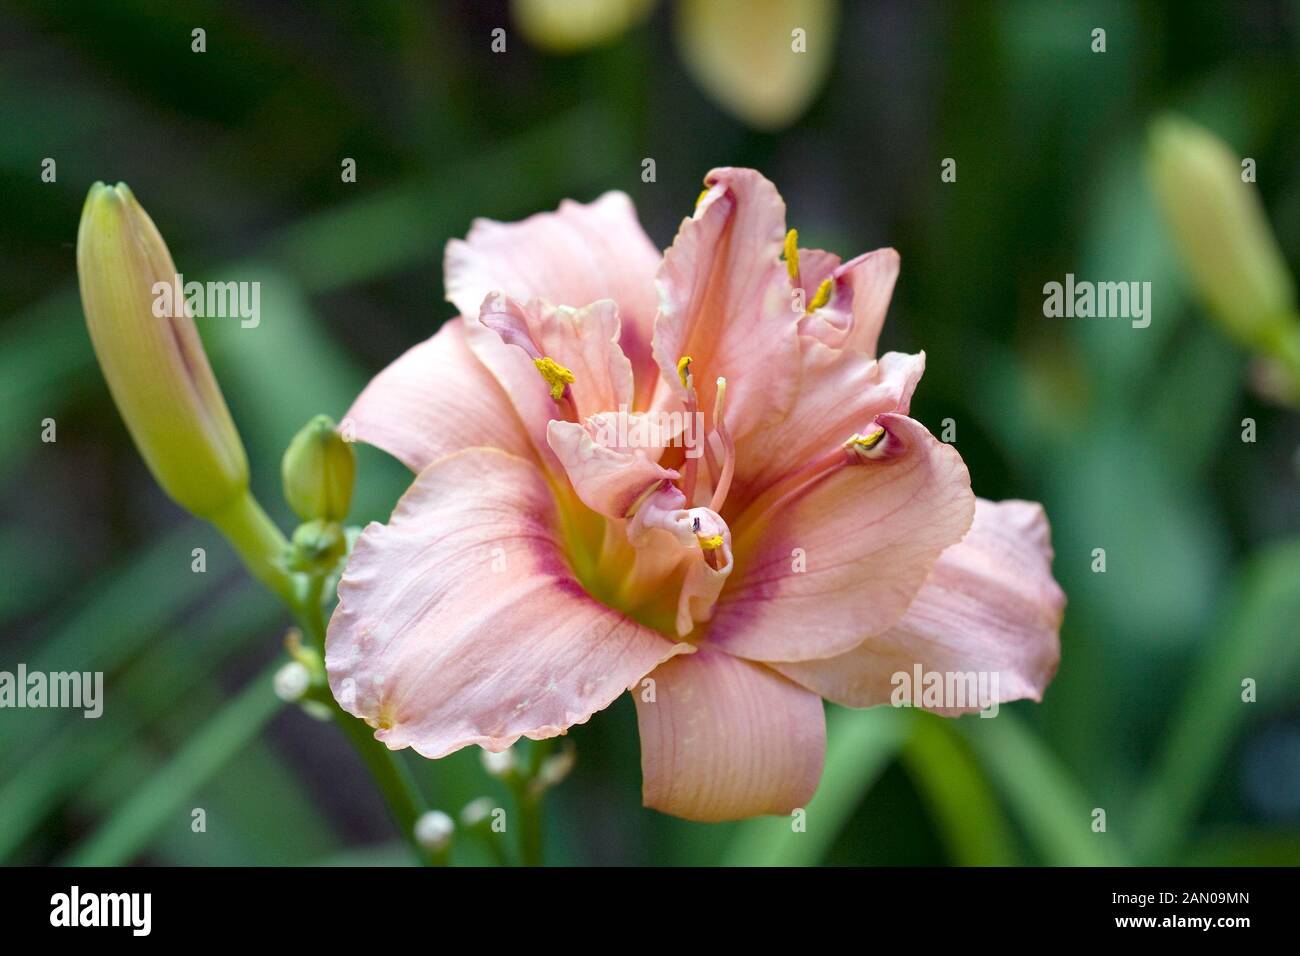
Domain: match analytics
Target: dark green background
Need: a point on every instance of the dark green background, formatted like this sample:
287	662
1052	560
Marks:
1130	437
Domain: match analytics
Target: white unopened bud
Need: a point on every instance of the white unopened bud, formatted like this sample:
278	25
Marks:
499	765
554	769
476	811
433	830
292	681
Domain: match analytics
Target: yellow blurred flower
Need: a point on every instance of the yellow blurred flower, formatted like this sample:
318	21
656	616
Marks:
566	26
763	61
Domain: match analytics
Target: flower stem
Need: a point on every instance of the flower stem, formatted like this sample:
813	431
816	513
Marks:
391	775
261	546
259	543
530	796
405	803
530	830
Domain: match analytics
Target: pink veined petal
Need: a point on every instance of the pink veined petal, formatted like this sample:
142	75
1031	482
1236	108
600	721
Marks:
435	399
989	606
815	265
585	341
860	293
871	279
724	739
609	479
664	515
573	256
841	391
459	622
841	560
517	377
725	301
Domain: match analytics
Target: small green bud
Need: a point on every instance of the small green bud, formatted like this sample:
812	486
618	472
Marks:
319	468
317	547
1218	223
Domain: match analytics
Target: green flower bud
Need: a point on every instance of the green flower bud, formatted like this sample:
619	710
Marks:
1218	223
155	366
318	470
317	547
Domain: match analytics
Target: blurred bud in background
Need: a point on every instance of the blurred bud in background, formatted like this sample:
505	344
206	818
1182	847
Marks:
156	368
319	469
434	830
763	61
1218	224
568	26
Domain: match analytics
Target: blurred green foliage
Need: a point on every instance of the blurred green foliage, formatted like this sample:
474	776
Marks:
1130	437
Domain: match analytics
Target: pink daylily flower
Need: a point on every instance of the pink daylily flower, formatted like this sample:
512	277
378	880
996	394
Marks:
813	541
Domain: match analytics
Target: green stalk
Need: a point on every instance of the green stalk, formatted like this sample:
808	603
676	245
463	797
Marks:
261	546
391	775
531	842
259	543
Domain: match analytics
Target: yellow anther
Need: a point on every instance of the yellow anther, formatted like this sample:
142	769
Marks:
823	295
792	254
556	375
684	370
703	192
712	543
866	442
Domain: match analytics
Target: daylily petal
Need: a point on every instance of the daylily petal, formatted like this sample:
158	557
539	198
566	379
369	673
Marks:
573	256
436	398
853	317
744	54
815	266
989	606
703	550
459	622
841	560
583	341
725	301
724	738
607	478
841	391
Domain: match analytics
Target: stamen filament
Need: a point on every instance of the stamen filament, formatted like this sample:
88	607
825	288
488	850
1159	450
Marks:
691	466
722	483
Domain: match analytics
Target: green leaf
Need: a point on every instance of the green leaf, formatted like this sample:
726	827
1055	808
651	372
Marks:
128	831
1047	802
860	744
961	801
1256	639
102	626
144	692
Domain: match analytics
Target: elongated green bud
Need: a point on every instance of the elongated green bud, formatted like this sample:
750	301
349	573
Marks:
318	469
1218	223
155	366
